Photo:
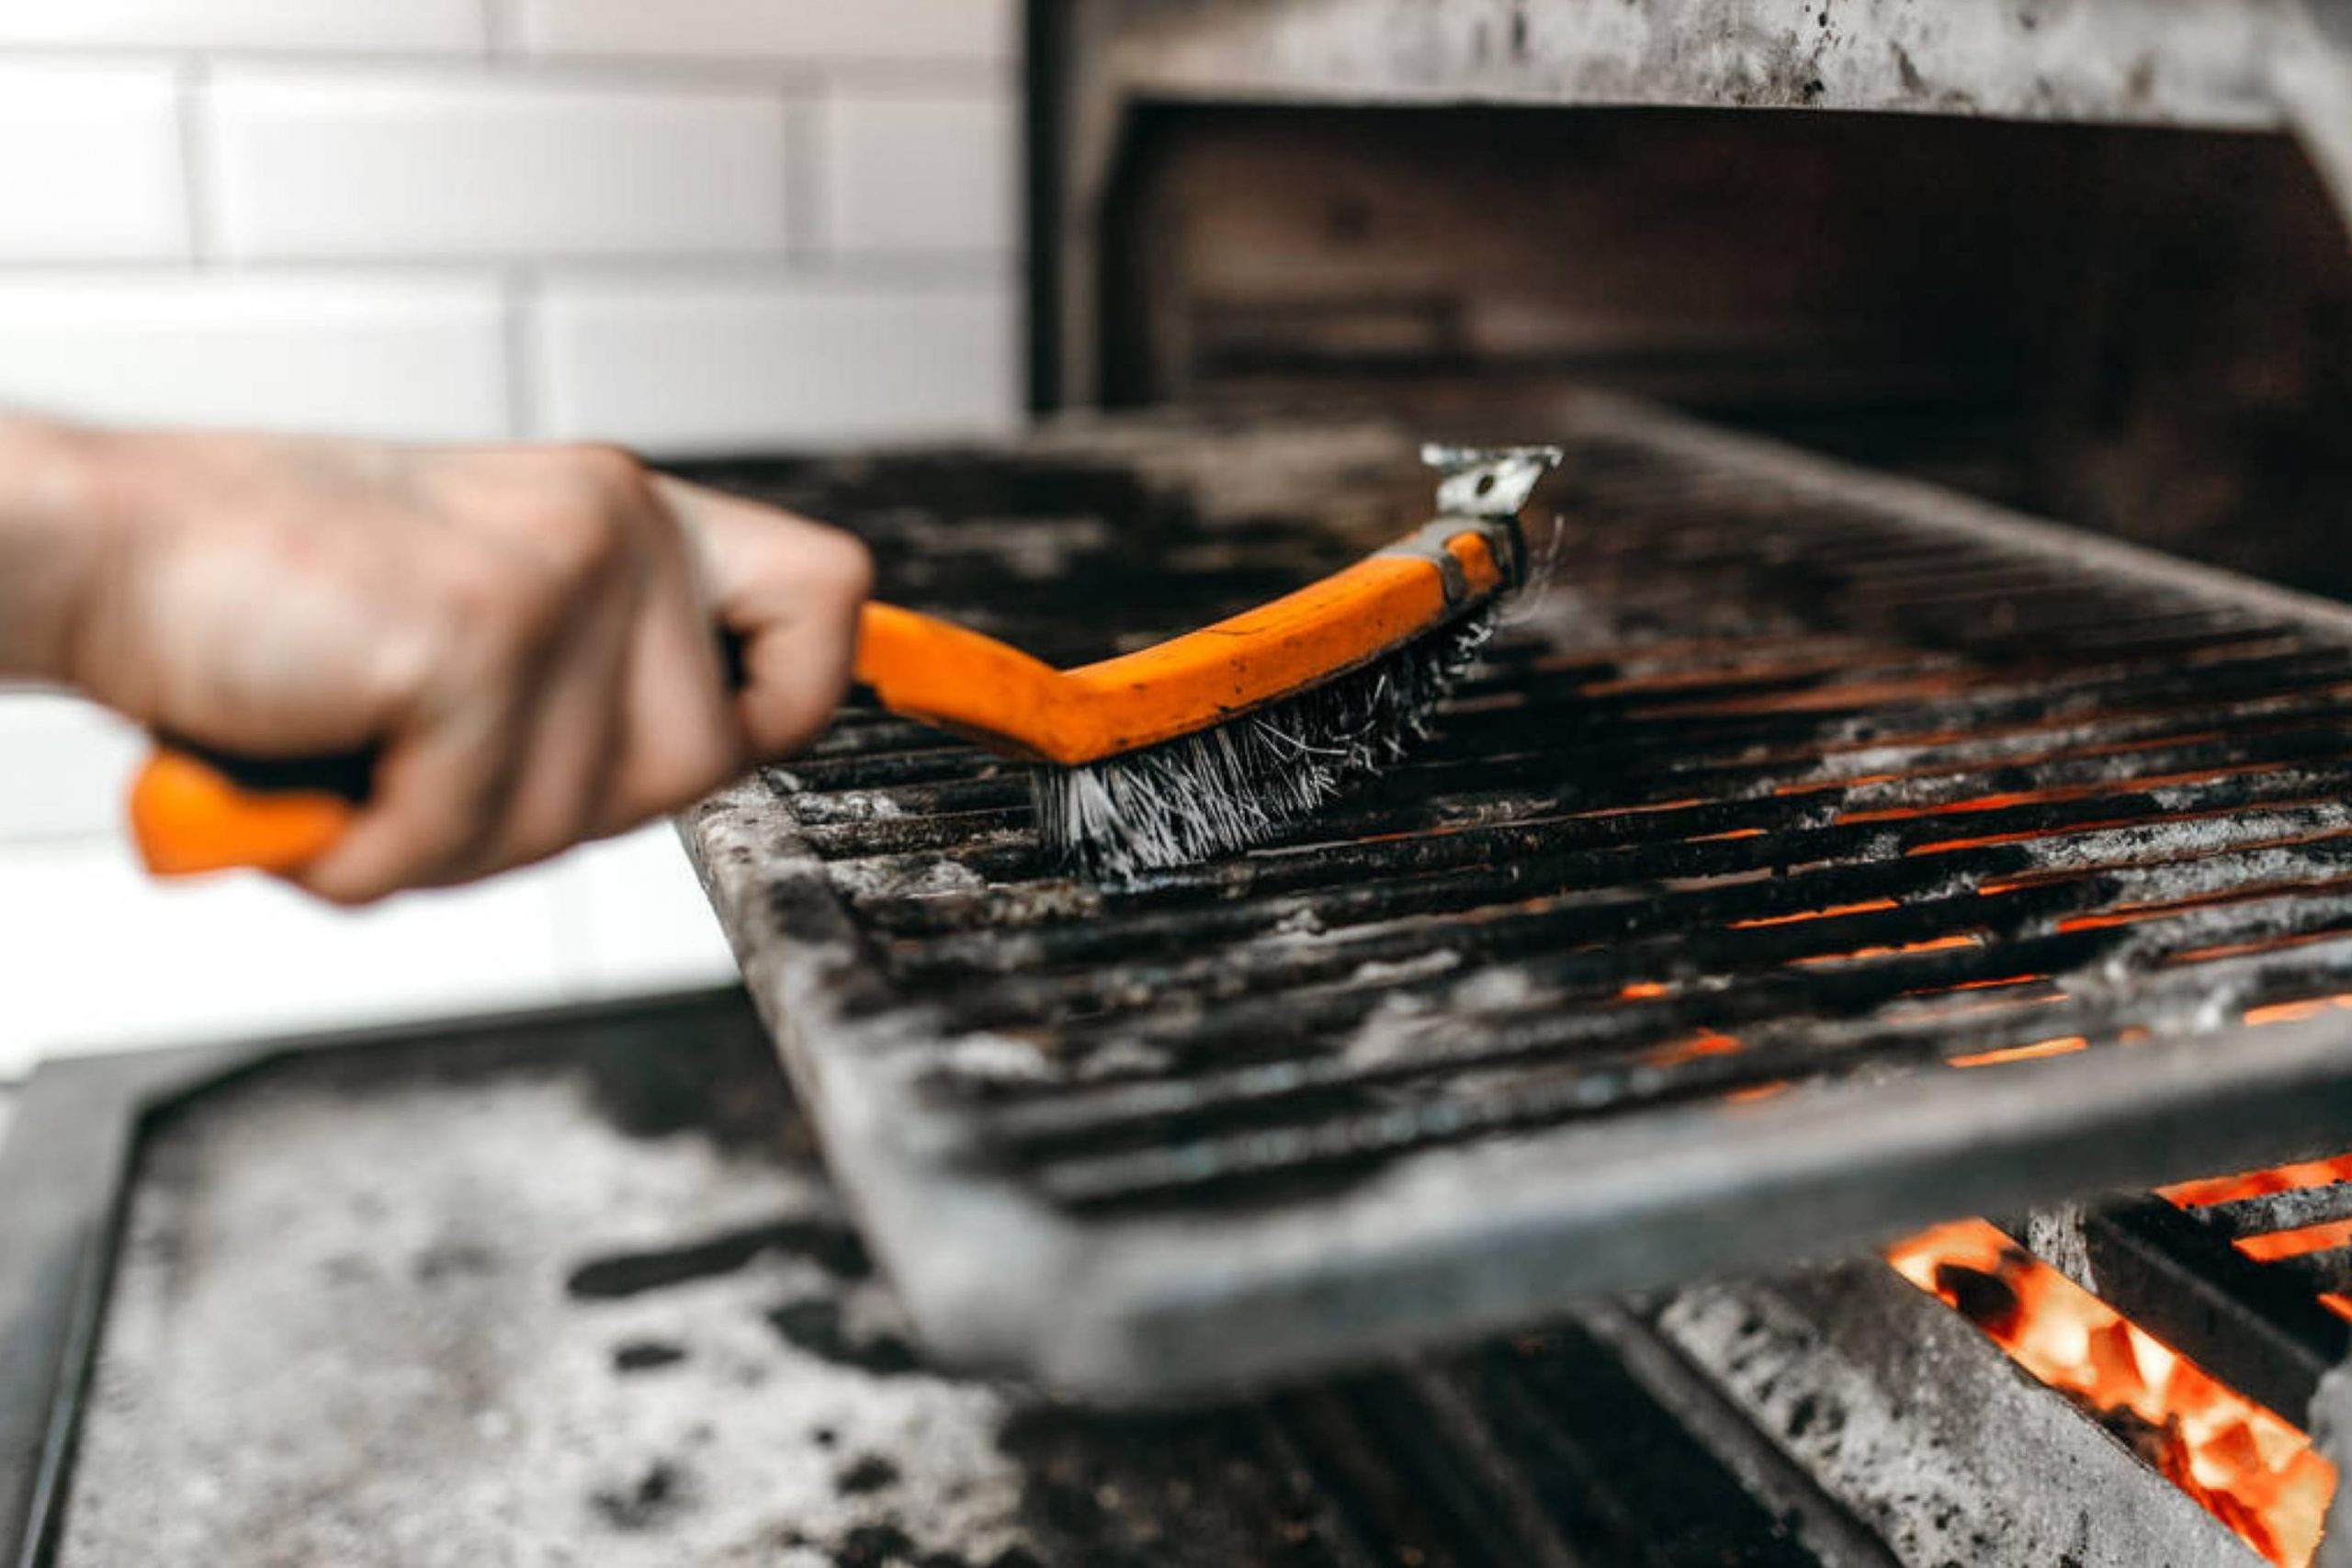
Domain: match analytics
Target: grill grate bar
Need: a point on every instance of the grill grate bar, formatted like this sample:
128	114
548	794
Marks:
1562	717
1260	1160
846	824
2101	834
1597	853
1770	833
2274	1212
1749	923
1624	1049
2321	1273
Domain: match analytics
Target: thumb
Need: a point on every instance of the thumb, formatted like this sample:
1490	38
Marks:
789	589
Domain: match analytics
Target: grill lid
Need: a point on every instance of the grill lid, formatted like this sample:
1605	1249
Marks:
1815	856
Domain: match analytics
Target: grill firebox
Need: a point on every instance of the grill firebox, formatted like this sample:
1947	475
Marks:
620	1317
1795	790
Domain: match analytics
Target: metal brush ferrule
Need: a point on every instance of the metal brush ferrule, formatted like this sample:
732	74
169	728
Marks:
1481	488
1428	543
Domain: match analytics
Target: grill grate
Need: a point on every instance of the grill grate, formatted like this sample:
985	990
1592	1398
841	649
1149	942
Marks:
1793	790
2250	1284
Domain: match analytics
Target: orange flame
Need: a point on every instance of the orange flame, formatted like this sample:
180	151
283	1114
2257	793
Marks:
2251	1469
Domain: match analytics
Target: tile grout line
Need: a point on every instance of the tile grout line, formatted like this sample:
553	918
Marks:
194	90
912	269
502	32
808	144
571	931
508	41
524	290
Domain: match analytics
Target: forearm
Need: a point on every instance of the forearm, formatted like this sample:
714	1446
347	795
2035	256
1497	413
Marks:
51	539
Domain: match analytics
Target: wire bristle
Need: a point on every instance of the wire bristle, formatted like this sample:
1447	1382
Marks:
1241	782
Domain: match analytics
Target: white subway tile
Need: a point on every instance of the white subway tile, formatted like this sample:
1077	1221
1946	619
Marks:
787	30
64	765
405	25
409	359
100	957
636	918
90	163
926	172
492	165
680	367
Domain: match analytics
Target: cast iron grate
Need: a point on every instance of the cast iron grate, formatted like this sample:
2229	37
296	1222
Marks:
2253	1285
1816	854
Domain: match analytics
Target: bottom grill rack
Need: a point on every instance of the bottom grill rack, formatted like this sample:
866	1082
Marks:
2246	1276
1813	855
619	1317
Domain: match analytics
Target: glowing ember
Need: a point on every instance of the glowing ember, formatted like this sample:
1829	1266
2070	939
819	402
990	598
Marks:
2251	1469
2280	1178
2259	1183
1868	906
2295	1012
2323	1237
1900	950
2065	1044
1997	983
1706	1043
2286	1012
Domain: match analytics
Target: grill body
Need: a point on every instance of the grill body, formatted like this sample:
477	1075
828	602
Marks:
1816	856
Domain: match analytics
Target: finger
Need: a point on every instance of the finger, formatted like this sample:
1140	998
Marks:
438	792
452	763
567	752
791	589
681	737
575	528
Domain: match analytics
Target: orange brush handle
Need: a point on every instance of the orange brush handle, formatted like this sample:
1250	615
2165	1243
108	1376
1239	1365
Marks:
977	686
193	812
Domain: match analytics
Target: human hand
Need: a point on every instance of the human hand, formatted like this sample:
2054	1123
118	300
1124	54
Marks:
524	636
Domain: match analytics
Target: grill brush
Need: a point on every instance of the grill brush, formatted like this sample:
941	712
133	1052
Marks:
1196	746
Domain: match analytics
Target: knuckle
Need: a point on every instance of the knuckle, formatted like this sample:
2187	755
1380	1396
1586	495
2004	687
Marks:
581	514
606	469
843	564
585	541
400	662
